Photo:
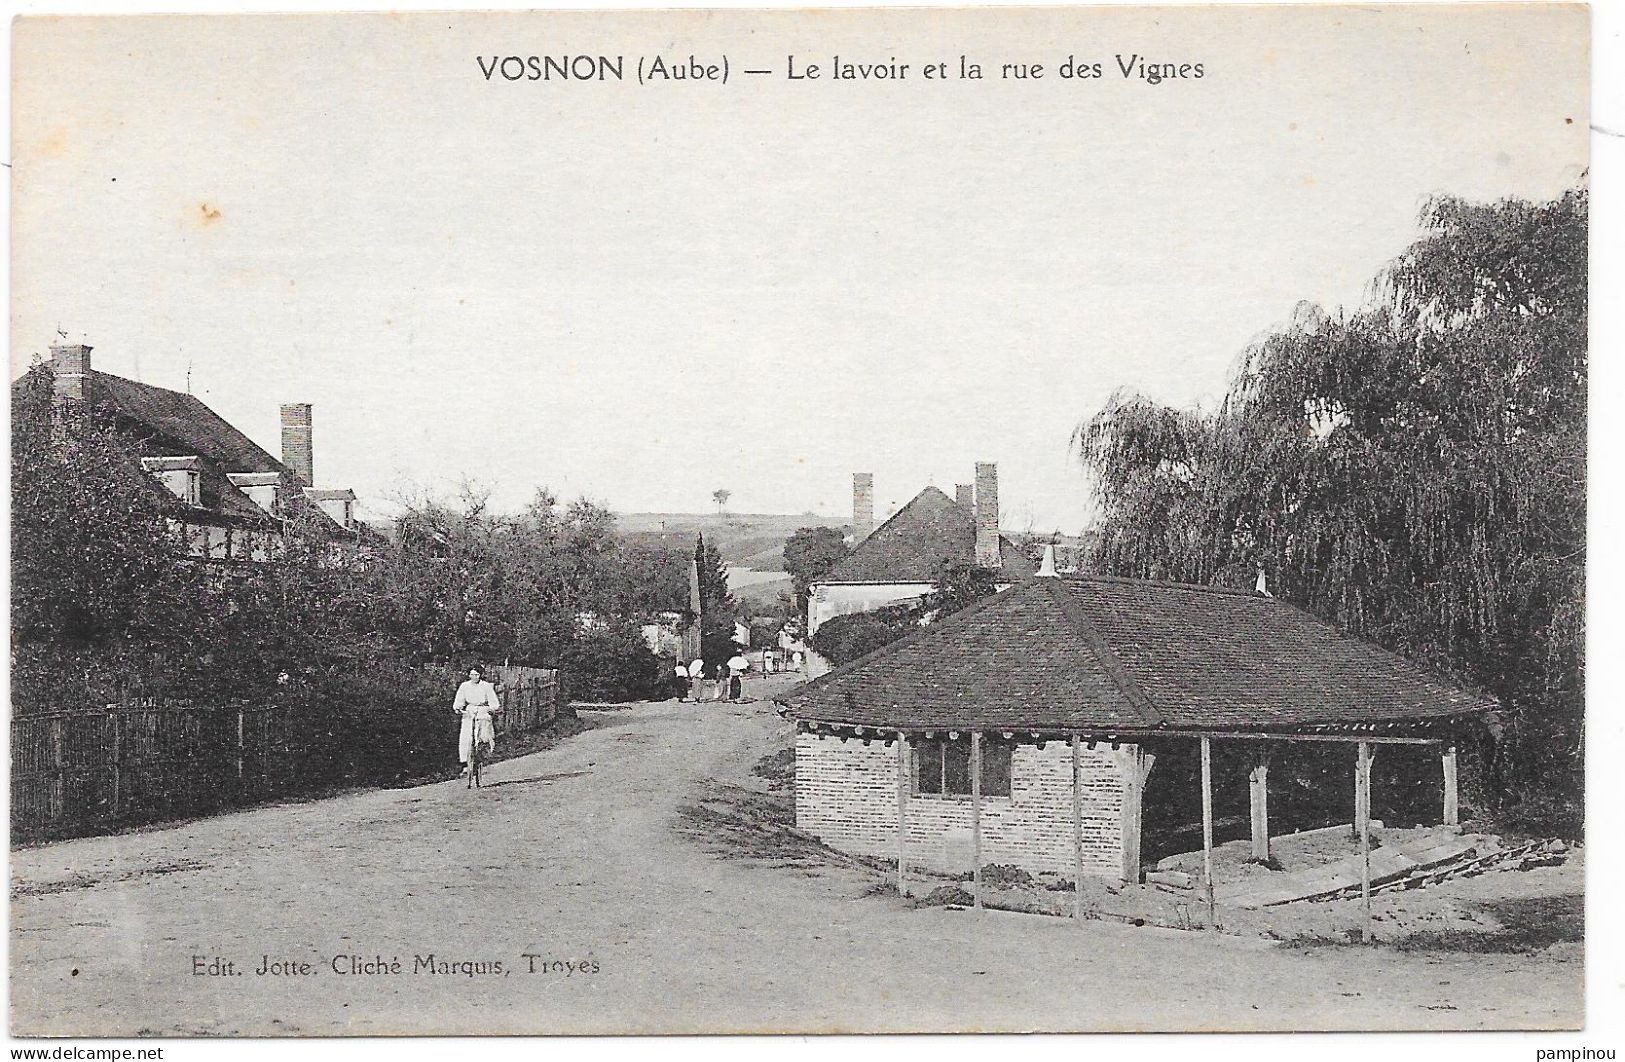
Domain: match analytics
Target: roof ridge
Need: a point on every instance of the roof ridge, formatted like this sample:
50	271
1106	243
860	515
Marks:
1171	584
1097	643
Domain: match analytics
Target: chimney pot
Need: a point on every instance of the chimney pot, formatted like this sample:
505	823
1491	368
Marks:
863	505
988	553
297	454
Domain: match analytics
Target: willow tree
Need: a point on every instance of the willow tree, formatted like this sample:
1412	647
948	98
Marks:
1412	469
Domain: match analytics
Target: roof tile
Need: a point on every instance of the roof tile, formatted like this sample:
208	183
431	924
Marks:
1121	655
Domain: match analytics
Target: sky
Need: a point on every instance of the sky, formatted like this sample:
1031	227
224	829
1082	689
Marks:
644	293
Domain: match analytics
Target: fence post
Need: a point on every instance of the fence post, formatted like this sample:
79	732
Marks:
59	783
113	721
239	751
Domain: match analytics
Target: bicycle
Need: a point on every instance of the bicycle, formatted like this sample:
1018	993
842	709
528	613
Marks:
475	747
474	744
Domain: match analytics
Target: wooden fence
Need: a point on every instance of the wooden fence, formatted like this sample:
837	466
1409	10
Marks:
79	772
530	698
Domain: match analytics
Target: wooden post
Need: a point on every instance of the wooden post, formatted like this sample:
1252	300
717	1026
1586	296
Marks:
1077	830
1362	819
1207	829
902	812
113	723
1452	812
1258	790
59	783
1138	769
239	748
976	814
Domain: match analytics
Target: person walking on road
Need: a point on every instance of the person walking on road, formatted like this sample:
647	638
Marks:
738	664
476	702
696	676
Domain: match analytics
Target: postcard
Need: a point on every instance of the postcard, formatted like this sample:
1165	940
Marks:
811	521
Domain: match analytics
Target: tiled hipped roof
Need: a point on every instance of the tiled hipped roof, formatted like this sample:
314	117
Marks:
1120	656
913	545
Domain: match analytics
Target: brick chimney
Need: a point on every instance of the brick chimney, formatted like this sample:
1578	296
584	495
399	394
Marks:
863	505
296	444
988	554
70	368
965	495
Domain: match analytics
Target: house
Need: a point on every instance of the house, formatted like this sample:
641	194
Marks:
663	634
900	560
227	498
1023	729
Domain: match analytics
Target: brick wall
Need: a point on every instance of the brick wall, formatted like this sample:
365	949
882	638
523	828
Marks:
846	795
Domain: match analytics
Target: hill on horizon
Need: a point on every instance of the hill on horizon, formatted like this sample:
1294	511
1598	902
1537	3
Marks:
745	540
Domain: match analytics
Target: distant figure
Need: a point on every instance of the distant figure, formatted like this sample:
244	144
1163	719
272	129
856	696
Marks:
681	671
696	678
721	683
476	702
737	666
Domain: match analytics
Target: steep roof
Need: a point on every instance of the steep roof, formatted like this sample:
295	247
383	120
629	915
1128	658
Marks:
170	423
913	545
1118	656
181	423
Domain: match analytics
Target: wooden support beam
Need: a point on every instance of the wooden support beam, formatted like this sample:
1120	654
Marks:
1259	797
1452	811
902	813
1077	829
1253	735
1362	823
1136	770
976	814
1207	830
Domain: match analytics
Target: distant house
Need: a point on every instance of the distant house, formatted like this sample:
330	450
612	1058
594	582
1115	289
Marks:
1063	690
663	634
229	499
900	560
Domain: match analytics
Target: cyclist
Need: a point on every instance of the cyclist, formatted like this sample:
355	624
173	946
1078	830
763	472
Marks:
476	702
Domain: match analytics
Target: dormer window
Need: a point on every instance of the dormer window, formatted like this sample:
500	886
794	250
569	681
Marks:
339	505
260	487
182	475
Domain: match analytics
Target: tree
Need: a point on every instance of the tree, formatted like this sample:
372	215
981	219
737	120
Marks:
1413	470
958	586
717	605
721	498
615	664
97	591
809	554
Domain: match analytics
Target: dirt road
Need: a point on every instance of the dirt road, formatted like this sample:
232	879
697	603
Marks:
578	855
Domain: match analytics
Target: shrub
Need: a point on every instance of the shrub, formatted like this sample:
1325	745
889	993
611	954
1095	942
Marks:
845	638
614	664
